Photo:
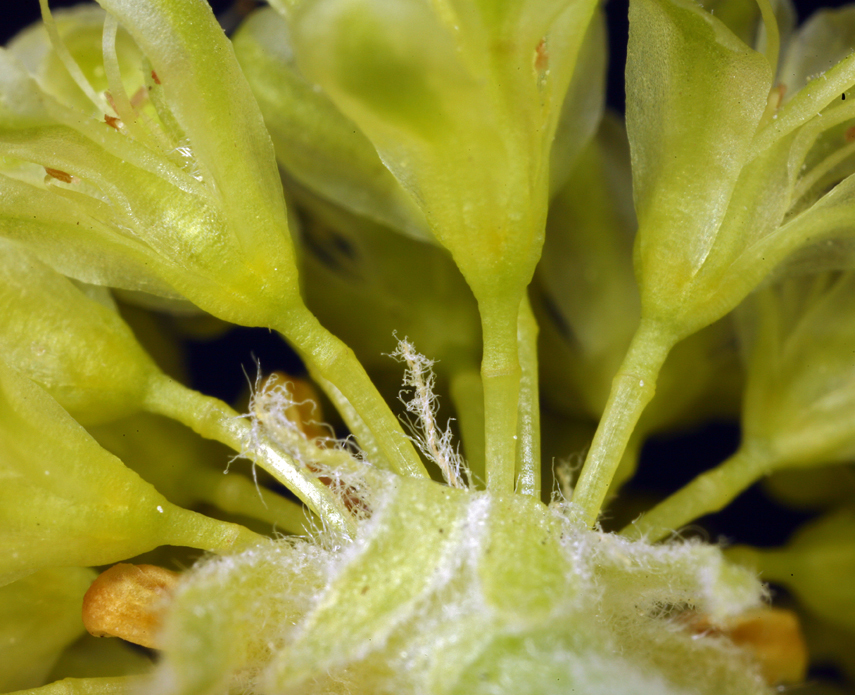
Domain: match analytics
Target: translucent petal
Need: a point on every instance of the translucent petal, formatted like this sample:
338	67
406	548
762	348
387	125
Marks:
315	143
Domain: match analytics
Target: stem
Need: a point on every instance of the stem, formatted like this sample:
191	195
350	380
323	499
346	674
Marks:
708	493
467	395
810	179
195	530
367	442
237	495
213	419
500	376
334	362
528	426
114	685
632	389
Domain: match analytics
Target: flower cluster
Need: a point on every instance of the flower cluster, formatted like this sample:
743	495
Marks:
342	172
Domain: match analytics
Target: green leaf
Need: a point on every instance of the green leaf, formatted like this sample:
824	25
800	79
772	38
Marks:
459	109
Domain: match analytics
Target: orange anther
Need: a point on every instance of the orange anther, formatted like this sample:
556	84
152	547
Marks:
58	174
128	601
305	412
772	635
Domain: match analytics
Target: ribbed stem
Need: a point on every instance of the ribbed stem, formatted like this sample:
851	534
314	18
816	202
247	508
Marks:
213	419
632	389
334	362
467	395
528	424
708	493
500	376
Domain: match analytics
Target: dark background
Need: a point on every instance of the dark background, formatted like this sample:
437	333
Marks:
218	367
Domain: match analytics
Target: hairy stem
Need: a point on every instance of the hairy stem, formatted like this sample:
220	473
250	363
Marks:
213	419
334	362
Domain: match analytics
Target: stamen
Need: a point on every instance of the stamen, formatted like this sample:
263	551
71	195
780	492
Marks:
118	97
67	60
773	36
810	179
59	175
128	601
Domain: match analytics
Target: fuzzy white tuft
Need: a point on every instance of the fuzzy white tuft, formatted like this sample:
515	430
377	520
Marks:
422	402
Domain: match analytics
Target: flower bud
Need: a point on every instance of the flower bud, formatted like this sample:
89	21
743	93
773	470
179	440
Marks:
67	502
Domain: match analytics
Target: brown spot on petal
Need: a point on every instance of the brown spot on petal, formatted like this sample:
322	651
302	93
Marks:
541	56
128	601
155	77
112	121
58	174
850	134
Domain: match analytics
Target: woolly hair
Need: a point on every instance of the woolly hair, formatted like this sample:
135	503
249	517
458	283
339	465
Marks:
447	592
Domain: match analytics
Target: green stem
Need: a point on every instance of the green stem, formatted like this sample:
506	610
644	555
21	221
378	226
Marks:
500	376
367	443
467	395
213	419
116	685
334	362
237	495
708	493
632	389
194	530
528	425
